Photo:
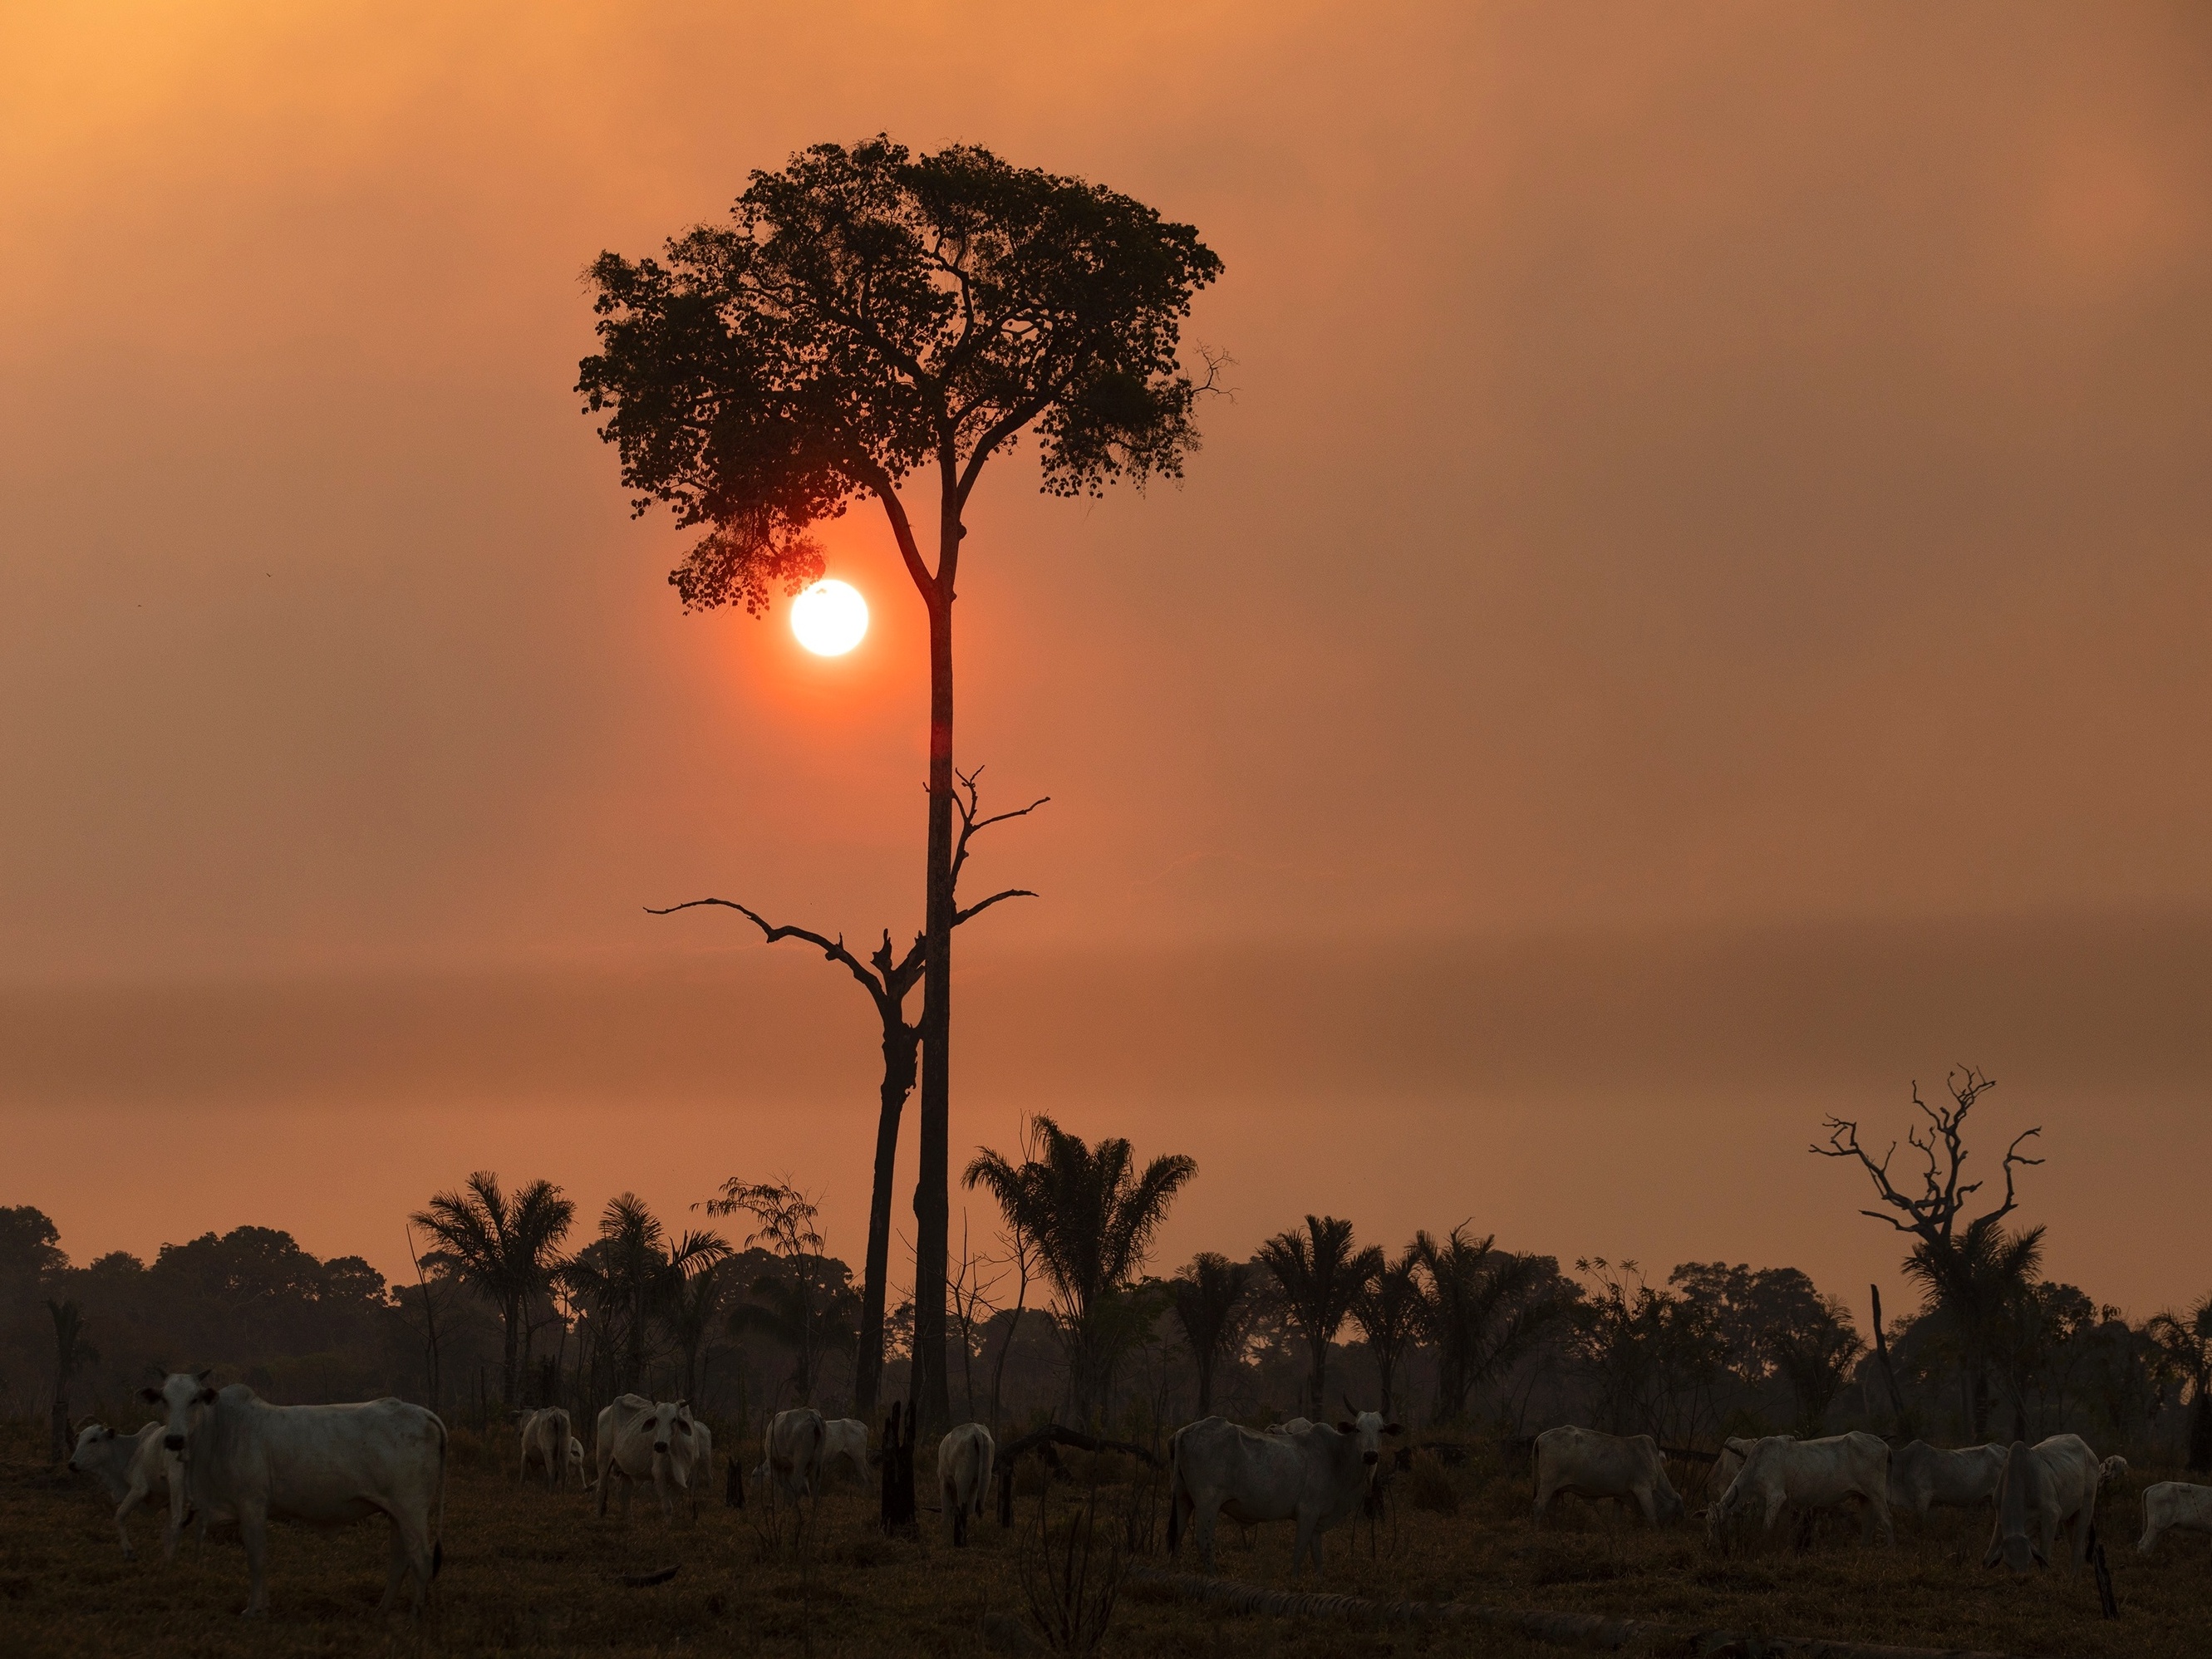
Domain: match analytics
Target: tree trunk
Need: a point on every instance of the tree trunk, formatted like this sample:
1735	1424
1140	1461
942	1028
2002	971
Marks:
58	1425
1206	1384
932	1196
900	1040
2200	1430
512	1373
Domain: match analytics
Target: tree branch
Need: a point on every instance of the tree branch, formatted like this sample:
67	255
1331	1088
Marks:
981	905
833	948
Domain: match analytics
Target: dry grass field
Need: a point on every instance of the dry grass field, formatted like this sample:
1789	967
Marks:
526	1571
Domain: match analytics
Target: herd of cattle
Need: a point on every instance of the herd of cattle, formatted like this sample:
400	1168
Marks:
226	1454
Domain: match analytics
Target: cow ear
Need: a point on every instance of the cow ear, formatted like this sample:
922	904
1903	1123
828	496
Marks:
1344	1428
683	1427
151	1396
207	1396
1392	1428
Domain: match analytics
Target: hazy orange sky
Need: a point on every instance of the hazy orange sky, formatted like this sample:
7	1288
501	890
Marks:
1695	616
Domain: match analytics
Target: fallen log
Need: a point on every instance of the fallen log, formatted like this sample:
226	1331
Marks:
1589	1631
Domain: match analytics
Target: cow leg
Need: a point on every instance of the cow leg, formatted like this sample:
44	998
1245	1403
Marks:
253	1533
128	1504
605	1483
2153	1530
1647	1502
1544	1497
1204	1515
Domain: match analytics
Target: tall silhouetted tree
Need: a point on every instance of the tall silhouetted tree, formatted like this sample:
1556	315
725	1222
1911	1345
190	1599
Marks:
888	978
1970	1269
1207	1294
1388	1310
867	314
1320	1274
1091	1215
508	1248
1482	1307
2186	1341
70	1352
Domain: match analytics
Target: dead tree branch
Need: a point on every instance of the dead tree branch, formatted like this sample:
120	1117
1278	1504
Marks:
1932	1216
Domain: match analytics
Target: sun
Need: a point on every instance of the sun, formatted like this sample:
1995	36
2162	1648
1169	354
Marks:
829	618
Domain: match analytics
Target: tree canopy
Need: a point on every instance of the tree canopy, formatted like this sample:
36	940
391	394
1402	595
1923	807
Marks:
867	312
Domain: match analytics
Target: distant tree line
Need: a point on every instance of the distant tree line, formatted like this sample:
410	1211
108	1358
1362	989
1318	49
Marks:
1061	1317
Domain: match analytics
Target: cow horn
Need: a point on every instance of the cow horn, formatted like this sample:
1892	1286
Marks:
202	1374
1349	1407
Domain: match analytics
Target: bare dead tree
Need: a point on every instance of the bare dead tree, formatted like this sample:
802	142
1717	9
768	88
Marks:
888	976
1971	1267
1933	1216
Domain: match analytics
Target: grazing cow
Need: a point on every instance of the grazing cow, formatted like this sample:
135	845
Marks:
1726	1467
576	1464
1781	1474
1584	1463
963	1476
1318	1477
640	1439
2173	1506
794	1457
546	1437
1295	1426
2045	1486
1922	1477
248	1461
132	1468
845	1440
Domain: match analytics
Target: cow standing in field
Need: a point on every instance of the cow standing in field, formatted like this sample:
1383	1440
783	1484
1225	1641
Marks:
844	1440
1584	1463
1782	1473
546	1437
792	1454
2051	1485
963	1476
640	1439
1922	1477
2173	1506
584	1481
1729	1463
245	1460
133	1468
1318	1477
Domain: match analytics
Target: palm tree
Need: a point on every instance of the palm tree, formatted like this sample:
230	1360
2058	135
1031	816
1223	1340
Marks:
1092	1216
1320	1274
1207	1294
508	1248
689	1312
632	1279
1972	1280
71	1351
2186	1341
1813	1352
1388	1311
1481	1308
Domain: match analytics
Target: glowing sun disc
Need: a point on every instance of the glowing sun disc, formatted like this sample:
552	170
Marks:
829	618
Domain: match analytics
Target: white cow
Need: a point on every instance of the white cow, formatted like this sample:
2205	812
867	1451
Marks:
1584	1463
1729	1463
1317	1477
641	1439
546	1437
1922	1477
2045	1486
576	1464
248	1461
963	1476
2173	1506
1781	1474
132	1468
845	1440
795	1450
1297	1425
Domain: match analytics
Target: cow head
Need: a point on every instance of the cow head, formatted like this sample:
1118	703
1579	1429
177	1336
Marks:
187	1399
669	1425
90	1451
1368	1428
